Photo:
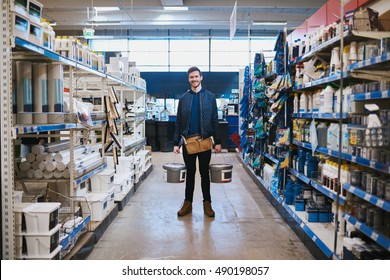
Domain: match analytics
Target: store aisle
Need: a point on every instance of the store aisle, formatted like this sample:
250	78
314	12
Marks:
246	225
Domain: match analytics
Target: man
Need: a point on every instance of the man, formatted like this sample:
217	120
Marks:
197	115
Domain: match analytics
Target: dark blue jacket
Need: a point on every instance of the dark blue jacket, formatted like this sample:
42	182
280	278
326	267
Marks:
209	125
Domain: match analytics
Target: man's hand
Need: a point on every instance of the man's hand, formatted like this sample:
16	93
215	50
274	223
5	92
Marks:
176	149
218	148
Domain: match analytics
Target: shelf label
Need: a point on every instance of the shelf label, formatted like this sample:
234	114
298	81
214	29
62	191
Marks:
353	158
307	84
352	189
358	225
368	197
302	225
380	203
314	238
368	95
385	94
374	236
372	164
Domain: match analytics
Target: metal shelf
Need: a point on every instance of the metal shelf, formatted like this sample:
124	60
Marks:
319	115
323	47
371	95
324	190
90	174
24	129
329	193
379	166
379	202
300	176
56	57
370	62
274	160
317	232
379	238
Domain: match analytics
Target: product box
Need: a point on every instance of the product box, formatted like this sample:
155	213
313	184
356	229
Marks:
35	11
20	26
312	213
299	204
102	181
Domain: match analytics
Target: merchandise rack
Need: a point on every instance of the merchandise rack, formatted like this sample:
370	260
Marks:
379	202
379	238
320	233
379	166
20	49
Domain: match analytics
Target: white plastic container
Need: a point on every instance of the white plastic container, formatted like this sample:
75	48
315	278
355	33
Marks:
55	255
38	244
296	103
102	181
100	58
20	26
35	11
20	7
327	100
41	217
303	103
20	222
47	35
126	165
97	203
35	34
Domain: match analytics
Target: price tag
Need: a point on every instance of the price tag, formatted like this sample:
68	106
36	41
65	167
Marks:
352	189
357	225
307	84
314	238
302	225
380	203
368	95
372	164
353	158
367	197
385	94
374	236
378	59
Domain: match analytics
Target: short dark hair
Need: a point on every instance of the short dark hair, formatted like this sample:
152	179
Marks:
193	69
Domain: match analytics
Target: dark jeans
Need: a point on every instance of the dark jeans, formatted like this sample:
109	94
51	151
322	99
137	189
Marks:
190	162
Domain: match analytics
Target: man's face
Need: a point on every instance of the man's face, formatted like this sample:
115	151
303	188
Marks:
195	78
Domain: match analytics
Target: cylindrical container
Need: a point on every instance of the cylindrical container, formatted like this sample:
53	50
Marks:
176	172
55	93
220	173
356	177
353	56
40	92
24	92
303	103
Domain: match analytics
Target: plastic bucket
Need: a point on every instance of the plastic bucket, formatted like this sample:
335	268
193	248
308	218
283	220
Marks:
176	172
220	172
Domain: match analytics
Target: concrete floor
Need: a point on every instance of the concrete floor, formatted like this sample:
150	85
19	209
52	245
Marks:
246	225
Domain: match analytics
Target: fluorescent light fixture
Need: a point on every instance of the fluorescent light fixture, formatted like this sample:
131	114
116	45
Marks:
269	23
100	23
175	8
106	9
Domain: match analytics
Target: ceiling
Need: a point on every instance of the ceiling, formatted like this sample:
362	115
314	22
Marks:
203	17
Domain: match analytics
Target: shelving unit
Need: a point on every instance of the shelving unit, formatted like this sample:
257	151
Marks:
22	49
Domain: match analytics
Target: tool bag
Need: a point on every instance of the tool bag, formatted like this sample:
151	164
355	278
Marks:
196	144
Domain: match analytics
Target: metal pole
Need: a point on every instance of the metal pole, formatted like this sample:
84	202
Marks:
338	189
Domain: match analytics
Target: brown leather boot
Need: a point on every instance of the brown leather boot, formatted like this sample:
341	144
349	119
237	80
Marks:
208	210
185	209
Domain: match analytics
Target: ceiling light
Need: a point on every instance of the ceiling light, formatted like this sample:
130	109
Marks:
106	9
175	8
269	23
100	23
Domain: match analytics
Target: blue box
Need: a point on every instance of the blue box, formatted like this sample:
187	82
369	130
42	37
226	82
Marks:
312	213
299	204
324	215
